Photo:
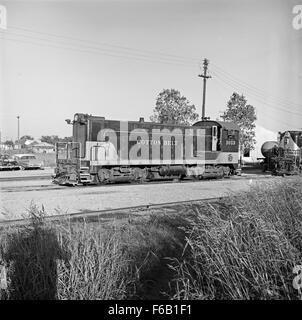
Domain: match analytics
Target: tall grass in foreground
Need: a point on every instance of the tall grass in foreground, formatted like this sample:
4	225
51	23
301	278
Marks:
123	260
245	247
242	247
82	260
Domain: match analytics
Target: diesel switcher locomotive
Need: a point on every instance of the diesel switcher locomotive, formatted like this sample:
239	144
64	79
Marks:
105	151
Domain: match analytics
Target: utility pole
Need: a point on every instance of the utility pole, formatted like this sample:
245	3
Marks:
205	77
18	117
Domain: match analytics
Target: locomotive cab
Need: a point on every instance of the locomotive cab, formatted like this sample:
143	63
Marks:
222	139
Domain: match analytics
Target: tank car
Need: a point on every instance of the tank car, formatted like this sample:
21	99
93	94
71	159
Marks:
269	150
285	156
105	151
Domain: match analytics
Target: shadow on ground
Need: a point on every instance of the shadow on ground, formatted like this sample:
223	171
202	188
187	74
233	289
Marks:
31	256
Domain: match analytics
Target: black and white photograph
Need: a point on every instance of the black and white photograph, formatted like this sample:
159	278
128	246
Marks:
150	151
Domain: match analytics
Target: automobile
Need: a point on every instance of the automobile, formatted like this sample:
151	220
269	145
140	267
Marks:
28	161
8	163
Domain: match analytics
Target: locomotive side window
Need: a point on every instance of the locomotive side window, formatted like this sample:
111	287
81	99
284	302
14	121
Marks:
61	150
215	131
214	138
246	153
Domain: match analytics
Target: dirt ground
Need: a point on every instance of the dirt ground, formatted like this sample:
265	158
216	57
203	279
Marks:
16	197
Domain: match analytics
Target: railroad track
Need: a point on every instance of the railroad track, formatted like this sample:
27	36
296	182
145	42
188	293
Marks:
126	209
44	187
106	215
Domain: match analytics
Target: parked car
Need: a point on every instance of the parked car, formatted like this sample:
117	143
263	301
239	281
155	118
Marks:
8	163
28	161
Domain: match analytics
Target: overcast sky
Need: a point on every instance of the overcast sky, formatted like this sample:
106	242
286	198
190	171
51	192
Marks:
112	58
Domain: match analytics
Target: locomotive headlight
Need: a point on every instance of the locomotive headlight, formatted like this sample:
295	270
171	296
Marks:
76	117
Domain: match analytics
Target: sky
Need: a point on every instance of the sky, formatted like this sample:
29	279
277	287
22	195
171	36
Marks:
112	59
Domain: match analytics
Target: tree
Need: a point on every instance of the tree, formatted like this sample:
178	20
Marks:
66	139
244	116
26	137
50	139
173	108
54	138
9	143
23	139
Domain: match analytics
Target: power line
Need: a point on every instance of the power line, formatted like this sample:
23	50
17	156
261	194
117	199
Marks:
165	62
235	88
254	94
222	83
114	49
143	55
101	52
167	55
259	91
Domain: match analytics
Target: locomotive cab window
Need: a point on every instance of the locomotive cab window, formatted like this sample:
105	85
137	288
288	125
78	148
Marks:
246	153
214	138
215	131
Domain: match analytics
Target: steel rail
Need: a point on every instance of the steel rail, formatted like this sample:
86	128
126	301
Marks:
59	187
98	213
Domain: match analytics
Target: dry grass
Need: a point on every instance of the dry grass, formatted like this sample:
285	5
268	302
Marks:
243	247
88	261
246	247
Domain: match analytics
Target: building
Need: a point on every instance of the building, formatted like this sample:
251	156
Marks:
42	147
5	147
